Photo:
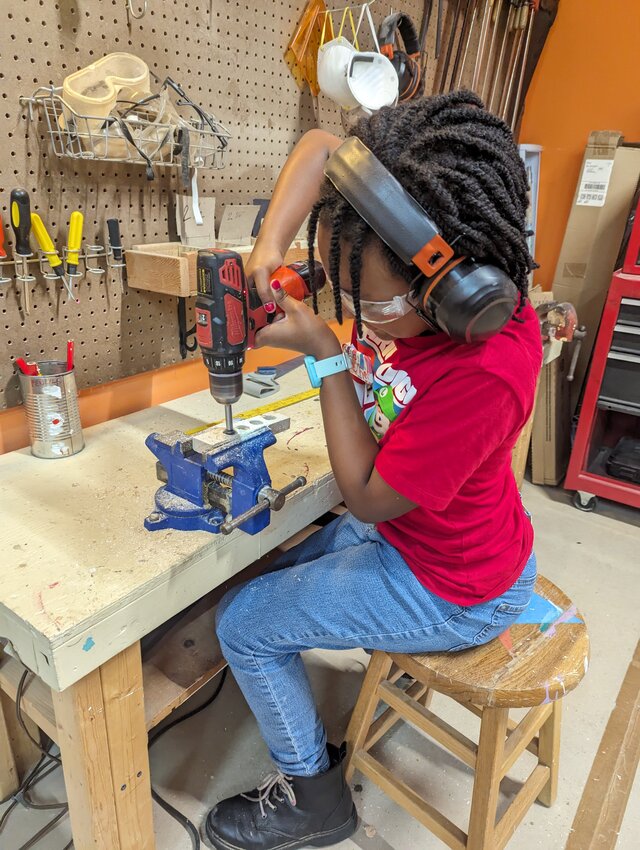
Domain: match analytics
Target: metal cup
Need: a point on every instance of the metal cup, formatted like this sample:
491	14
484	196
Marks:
51	403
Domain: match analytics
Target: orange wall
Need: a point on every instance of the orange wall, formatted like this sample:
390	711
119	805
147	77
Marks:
588	78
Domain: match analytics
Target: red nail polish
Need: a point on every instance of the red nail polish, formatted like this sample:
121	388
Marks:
275	284
270	307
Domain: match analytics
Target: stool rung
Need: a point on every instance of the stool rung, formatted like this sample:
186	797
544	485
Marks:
474	709
413	803
429	723
522	734
390	717
520	805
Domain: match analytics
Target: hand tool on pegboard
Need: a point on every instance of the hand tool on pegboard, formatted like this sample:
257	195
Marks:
74	243
49	250
21	224
3	254
115	244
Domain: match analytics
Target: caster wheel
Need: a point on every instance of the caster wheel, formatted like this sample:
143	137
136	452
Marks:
585	502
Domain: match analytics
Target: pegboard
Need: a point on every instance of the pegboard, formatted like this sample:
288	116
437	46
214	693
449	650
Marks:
229	58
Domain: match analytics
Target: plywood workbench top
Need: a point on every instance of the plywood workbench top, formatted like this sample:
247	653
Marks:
82	579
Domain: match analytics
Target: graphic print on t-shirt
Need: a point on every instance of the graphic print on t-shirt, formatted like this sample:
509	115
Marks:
391	389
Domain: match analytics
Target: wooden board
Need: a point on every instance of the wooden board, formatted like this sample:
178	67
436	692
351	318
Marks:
84	579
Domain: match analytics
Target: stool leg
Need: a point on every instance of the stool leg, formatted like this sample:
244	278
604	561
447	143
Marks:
486	785
379	667
426	698
549	753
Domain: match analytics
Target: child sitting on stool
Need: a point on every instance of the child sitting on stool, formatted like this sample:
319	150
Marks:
436	550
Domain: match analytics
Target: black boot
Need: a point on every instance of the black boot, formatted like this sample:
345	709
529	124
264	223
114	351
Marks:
285	813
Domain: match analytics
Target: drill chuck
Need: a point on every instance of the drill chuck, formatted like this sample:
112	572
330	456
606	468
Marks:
225	388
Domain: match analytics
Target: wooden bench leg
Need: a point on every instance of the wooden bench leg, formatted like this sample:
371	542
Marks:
549	753
103	741
379	667
9	779
486	785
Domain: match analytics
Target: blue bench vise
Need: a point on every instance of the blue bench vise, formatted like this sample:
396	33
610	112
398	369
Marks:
199	492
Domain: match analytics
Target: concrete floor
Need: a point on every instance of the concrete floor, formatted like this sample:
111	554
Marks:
592	557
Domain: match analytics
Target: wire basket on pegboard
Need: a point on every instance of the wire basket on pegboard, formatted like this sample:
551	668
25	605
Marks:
152	132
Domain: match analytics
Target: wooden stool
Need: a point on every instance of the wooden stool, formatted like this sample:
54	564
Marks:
531	664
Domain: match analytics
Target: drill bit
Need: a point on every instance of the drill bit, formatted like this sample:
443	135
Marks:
228	419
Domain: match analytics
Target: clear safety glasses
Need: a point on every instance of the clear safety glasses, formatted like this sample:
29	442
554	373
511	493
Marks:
379	312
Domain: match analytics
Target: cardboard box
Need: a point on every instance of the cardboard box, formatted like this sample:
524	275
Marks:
551	433
604	193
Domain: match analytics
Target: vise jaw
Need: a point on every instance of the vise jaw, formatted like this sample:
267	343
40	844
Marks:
217	482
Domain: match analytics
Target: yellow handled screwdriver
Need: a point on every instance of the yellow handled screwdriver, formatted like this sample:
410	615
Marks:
74	241
46	245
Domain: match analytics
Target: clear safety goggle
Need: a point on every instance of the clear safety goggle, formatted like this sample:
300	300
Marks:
379	312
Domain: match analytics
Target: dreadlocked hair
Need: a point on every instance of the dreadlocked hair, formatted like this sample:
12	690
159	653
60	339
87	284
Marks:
461	164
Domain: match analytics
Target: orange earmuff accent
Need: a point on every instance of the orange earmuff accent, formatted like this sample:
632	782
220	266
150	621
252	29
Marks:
438	278
387	50
427	259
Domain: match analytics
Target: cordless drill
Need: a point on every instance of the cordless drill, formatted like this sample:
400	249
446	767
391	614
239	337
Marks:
229	313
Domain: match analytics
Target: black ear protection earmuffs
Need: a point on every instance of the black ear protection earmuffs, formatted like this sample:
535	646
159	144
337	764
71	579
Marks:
470	301
406	62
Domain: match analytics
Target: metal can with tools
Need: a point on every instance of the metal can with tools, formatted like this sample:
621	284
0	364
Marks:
51	403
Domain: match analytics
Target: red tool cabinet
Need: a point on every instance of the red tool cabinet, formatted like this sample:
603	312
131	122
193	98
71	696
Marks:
611	402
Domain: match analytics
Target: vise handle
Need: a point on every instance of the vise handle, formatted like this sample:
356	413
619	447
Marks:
268	497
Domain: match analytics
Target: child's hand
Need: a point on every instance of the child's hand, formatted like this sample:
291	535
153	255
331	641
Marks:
264	260
299	329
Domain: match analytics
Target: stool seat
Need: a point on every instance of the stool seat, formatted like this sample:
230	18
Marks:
539	659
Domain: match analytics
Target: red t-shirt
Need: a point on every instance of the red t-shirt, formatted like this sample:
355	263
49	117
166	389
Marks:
447	416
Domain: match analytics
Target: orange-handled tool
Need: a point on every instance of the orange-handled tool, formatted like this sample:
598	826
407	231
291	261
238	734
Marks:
3	253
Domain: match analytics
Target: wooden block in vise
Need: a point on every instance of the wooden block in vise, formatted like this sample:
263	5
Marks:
215	437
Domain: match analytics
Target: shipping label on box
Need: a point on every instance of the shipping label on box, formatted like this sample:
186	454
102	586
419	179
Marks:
594	182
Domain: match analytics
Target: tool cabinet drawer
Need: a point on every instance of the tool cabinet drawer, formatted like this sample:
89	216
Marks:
620	389
629	312
626	339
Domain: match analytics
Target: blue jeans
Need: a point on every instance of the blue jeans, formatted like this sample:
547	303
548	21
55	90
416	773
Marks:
342	588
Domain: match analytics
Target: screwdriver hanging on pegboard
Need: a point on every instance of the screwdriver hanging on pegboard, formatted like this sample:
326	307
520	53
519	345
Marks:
49	250
21	224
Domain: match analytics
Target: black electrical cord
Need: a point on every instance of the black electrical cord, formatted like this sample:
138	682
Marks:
20	719
48	763
183	820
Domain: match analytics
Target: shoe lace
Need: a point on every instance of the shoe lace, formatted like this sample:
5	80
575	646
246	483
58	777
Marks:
278	785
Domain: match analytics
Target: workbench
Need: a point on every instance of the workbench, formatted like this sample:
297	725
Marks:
83	582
